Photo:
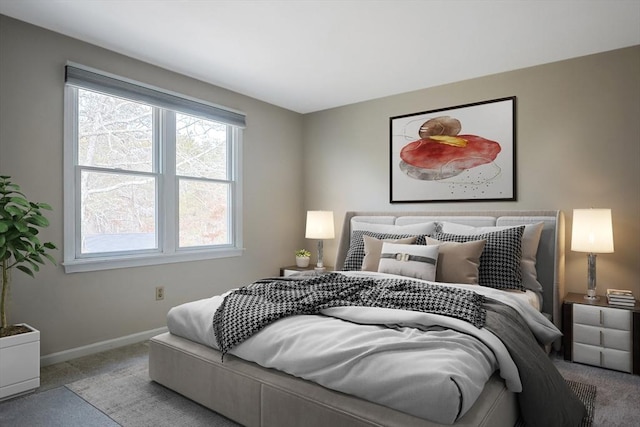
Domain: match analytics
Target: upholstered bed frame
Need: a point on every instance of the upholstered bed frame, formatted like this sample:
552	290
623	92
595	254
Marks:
255	396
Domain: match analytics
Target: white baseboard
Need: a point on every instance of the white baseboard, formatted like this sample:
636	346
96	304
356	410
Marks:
98	347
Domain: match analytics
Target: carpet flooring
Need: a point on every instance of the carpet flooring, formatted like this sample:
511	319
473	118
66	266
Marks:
113	389
617	402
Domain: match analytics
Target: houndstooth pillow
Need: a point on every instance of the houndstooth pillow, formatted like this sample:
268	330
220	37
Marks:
500	260
530	241
355	254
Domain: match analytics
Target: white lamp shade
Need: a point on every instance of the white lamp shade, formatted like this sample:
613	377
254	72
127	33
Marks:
592	231
319	225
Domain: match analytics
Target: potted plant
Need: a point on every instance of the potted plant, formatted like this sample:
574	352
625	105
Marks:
20	248
302	258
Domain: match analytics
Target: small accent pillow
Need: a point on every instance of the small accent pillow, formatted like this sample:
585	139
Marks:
530	241
373	248
355	254
500	260
414	261
458	262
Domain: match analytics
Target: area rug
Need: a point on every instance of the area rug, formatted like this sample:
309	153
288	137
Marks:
131	399
55	407
587	395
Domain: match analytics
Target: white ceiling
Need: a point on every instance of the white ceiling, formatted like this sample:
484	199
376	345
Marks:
312	55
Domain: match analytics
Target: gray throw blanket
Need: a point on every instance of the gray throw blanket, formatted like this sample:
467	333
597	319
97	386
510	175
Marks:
247	310
545	400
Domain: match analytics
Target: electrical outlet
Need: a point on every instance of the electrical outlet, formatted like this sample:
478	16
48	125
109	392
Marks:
159	293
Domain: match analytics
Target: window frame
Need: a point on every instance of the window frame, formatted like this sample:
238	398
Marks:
167	201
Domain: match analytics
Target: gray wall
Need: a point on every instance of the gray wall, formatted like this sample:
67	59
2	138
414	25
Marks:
73	310
578	146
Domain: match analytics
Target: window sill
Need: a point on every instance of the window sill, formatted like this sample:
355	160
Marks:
96	264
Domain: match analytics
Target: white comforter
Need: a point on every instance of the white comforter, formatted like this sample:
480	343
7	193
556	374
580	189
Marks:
427	365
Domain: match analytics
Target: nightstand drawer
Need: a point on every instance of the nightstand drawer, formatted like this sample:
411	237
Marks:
603	357
602	337
602	316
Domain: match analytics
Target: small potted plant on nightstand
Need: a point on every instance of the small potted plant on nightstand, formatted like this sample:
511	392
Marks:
20	248
302	258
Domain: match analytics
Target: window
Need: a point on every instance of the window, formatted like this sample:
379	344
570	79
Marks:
150	176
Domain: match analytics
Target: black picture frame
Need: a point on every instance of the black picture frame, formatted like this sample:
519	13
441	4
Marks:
463	153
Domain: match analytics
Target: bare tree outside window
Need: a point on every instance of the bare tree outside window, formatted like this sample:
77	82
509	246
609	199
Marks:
119	176
201	162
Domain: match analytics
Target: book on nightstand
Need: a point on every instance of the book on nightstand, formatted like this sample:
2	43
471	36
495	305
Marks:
621	297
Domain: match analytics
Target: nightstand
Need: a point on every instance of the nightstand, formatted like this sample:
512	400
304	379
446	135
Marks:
599	334
286	271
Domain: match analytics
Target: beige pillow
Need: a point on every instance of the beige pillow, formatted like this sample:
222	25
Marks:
416	261
458	262
373	247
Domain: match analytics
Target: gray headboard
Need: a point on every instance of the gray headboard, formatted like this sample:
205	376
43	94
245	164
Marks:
550	256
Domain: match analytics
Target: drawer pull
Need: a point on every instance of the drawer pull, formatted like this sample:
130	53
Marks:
601	339
601	359
601	317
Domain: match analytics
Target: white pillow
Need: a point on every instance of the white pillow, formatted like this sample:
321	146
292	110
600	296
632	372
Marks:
416	261
530	241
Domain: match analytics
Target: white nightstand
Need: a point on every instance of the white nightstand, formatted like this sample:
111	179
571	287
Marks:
599	334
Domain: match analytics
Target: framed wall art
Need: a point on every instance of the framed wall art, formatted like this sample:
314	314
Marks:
461	153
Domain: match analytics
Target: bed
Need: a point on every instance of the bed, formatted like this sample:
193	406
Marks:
187	359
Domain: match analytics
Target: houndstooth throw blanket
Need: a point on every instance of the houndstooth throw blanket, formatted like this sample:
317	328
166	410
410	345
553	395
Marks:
249	309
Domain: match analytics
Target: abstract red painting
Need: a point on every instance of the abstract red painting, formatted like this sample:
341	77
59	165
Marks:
461	153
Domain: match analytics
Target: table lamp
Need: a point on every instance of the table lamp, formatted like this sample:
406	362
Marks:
592	232
319	226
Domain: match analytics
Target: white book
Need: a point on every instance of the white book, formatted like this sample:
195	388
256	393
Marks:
616	298
621	297
620	293
621	304
628	303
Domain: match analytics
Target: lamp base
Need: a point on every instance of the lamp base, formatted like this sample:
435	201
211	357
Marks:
320	268
591	279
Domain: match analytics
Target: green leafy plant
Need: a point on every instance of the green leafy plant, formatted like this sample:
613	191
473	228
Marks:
303	253
20	221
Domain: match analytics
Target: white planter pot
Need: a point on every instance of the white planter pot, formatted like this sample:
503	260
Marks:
302	262
19	363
